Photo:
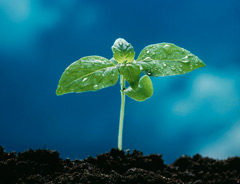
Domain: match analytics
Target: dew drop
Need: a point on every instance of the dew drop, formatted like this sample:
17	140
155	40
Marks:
186	57
173	68
120	43
164	64
95	86
147	58
147	51
149	72
84	79
185	61
166	46
181	66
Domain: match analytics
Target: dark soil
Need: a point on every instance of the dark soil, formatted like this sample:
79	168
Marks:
45	166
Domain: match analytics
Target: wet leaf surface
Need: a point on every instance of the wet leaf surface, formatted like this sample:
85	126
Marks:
167	59
90	73
123	51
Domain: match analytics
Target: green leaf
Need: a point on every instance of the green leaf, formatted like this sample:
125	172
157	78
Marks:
144	90
165	59
131	73
114	61
123	51
90	73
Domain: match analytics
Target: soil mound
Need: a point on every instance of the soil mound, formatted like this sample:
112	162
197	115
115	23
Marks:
45	167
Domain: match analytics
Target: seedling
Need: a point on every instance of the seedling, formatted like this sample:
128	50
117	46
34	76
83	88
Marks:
93	73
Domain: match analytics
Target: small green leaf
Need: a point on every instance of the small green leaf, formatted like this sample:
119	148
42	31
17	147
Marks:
131	73
165	59
90	73
144	90
123	51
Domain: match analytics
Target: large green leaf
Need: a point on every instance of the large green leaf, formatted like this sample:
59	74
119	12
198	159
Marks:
165	59
144	90
90	73
123	51
131	73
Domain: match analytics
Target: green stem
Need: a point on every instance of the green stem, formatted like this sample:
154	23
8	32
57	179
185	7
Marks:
120	130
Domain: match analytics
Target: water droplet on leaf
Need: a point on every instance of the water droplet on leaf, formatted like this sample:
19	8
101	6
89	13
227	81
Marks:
147	58
166	46
173	68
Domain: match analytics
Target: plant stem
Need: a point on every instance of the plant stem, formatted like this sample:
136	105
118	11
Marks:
120	130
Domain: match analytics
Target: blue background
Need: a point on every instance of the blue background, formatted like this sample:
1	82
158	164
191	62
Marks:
198	112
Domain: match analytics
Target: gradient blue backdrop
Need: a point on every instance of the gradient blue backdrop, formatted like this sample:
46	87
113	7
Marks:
195	112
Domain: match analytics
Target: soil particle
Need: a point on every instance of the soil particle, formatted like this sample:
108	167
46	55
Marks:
45	167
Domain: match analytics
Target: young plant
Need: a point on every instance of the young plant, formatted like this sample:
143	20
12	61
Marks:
93	73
